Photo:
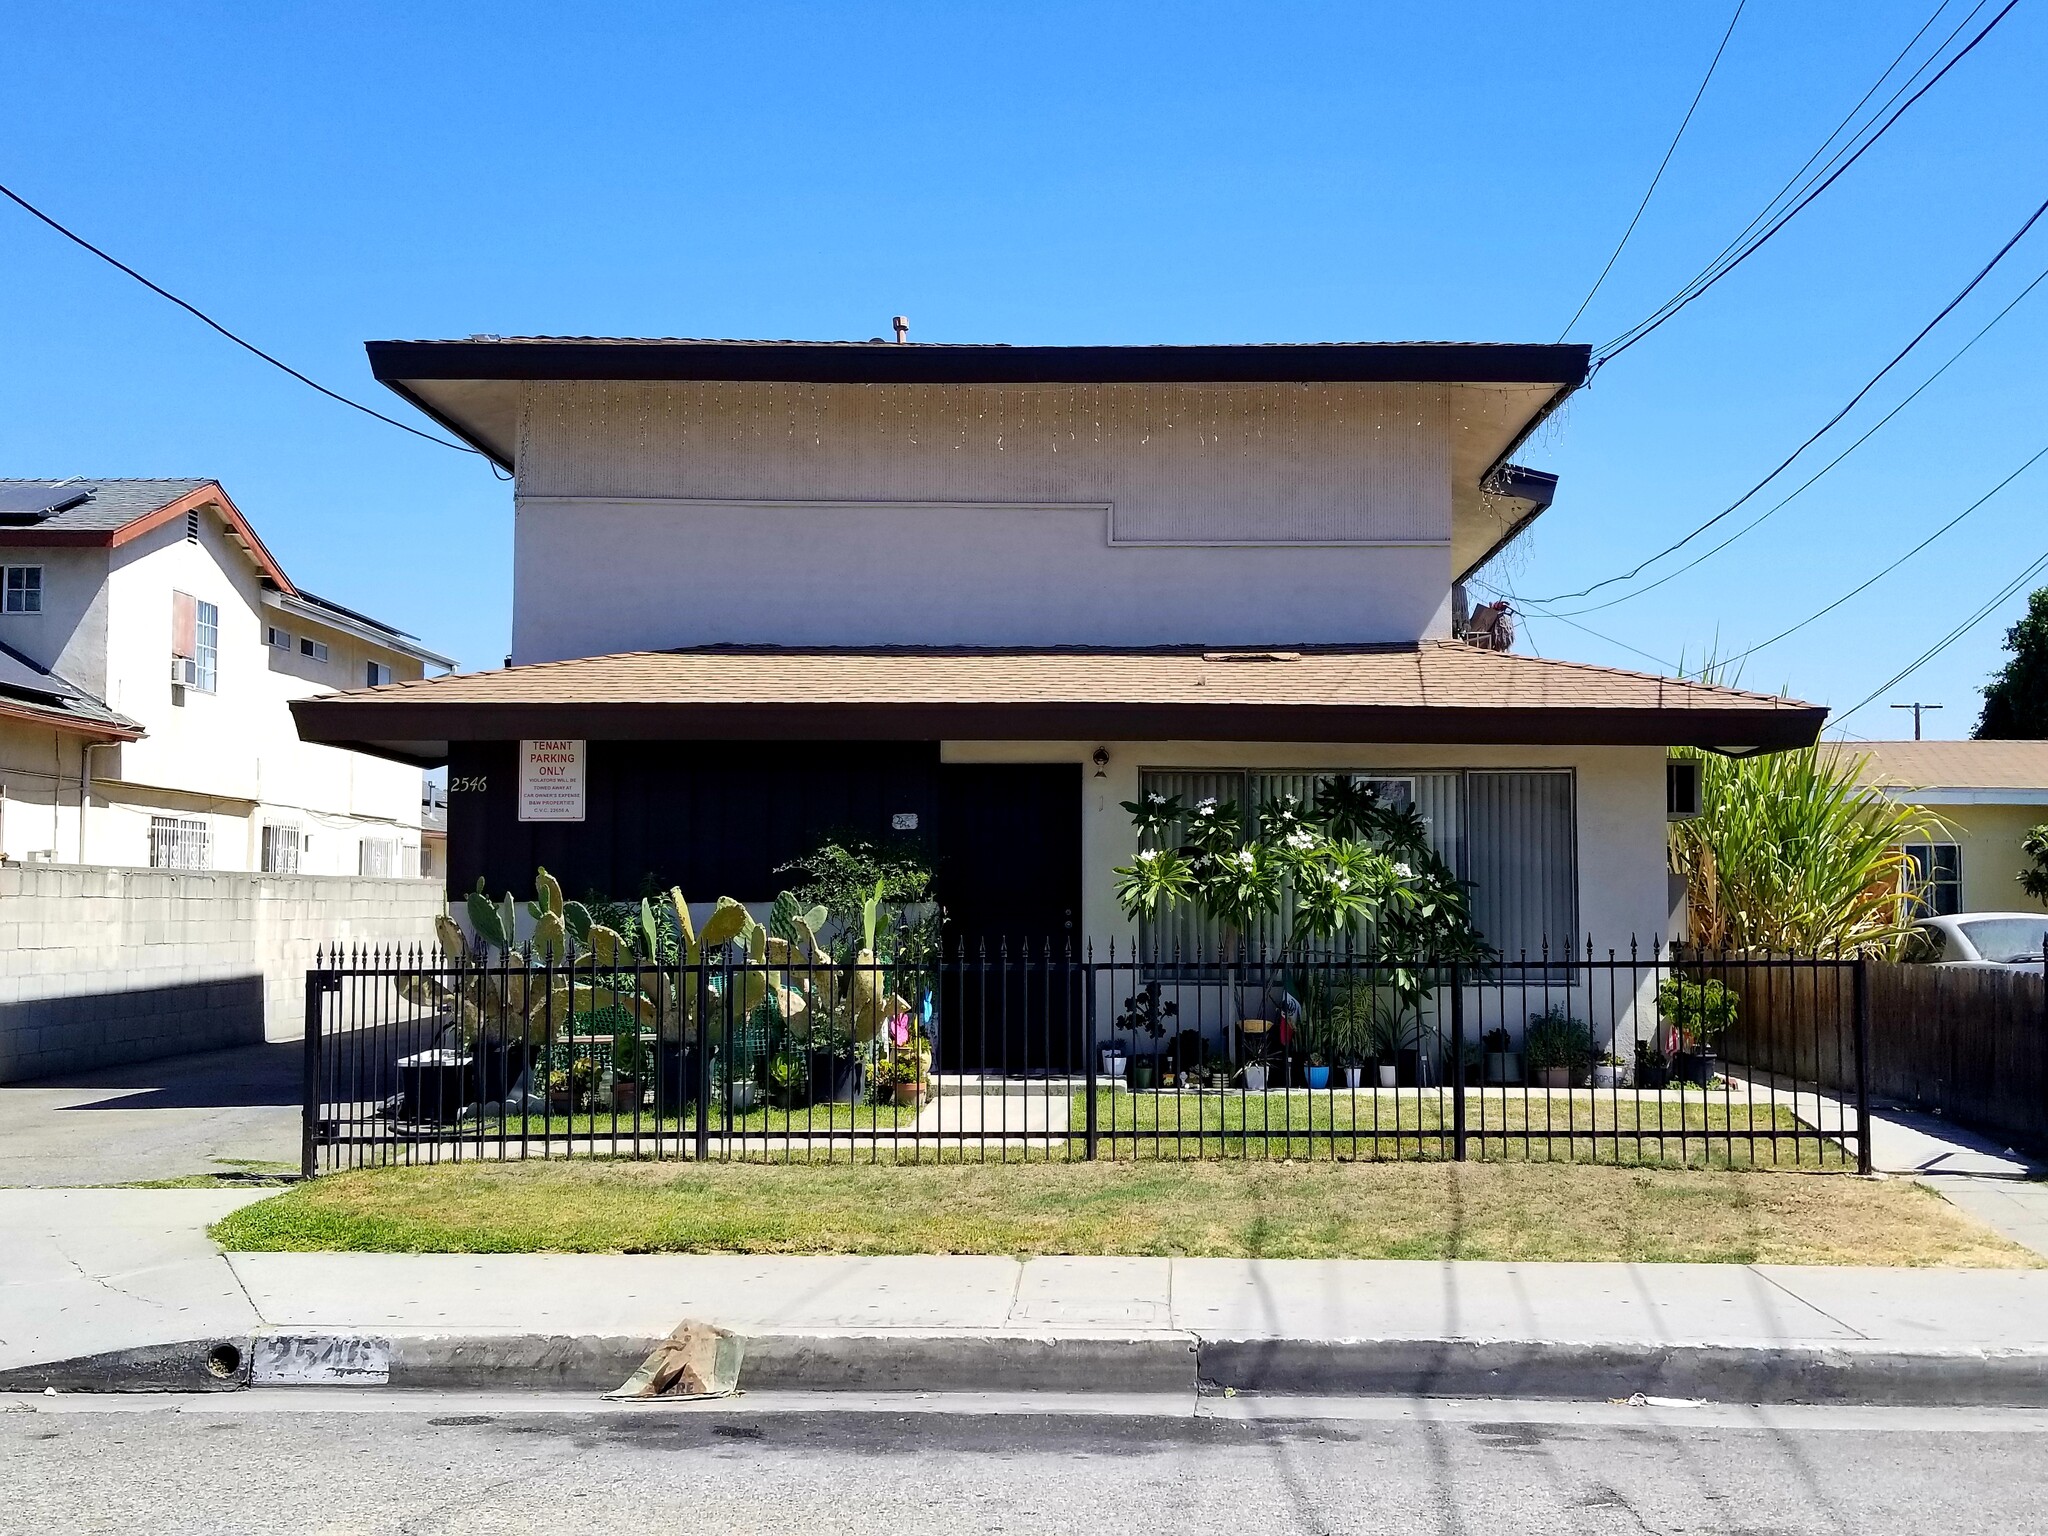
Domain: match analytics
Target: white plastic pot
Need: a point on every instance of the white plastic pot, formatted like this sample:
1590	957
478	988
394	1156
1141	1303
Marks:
1255	1078
1386	1074
1352	1075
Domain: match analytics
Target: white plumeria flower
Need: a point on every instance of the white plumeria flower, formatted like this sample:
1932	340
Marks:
1147	855
1205	808
1248	859
1301	840
1404	871
1343	882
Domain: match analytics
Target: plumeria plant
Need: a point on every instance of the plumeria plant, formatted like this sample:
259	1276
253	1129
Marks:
1347	868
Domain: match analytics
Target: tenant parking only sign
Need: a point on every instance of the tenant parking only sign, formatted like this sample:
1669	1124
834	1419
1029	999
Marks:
551	780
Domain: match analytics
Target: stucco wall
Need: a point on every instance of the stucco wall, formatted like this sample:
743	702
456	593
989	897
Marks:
232	757
100	966
1623	890
69	636
653	515
1989	837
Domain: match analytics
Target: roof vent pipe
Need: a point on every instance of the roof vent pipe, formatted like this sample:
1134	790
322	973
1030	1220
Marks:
902	324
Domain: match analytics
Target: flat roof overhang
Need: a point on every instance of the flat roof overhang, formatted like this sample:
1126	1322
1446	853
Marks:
421	732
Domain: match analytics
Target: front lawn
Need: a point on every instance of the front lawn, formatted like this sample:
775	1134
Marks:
1707	1129
1494	1210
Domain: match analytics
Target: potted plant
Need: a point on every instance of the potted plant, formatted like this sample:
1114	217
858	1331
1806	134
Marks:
629	1057
1503	1064
1557	1048
1652	1069
789	1075
1700	1012
1143	1011
1384	1033
833	1066
1255	1076
1607	1071
1114	1059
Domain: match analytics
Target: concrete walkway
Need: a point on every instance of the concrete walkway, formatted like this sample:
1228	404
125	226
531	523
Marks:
154	1119
2002	1187
123	1286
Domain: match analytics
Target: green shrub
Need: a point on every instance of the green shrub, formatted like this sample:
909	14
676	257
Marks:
1701	1011
1555	1039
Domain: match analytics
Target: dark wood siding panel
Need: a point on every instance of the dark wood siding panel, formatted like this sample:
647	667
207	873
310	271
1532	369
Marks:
716	818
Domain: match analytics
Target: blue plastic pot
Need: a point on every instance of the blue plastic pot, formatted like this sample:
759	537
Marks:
1319	1077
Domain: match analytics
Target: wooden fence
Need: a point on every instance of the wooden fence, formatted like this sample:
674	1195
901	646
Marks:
1971	1045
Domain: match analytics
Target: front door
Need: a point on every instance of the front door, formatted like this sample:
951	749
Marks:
1009	880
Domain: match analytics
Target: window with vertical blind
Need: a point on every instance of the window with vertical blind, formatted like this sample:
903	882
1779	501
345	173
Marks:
1511	835
1521	861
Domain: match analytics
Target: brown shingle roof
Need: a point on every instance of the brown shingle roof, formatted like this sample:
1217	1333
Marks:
1439	691
1951	764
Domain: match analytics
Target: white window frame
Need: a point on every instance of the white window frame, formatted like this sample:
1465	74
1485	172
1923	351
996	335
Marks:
283	842
378	672
377	850
29	589
1924	884
180	842
313	650
204	674
277	639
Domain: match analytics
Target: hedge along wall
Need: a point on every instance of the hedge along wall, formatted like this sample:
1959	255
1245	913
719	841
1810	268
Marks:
102	966
1971	1045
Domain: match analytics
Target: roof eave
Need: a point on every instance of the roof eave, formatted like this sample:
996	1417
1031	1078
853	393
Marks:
421	728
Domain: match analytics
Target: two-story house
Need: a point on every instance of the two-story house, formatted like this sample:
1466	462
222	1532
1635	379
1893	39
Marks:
149	648
764	590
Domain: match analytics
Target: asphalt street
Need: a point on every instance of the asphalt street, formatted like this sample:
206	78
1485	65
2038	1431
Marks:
284	1461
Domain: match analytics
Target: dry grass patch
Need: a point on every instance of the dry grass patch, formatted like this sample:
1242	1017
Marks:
1515	1211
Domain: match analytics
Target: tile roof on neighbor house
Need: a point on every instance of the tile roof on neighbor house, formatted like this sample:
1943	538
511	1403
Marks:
1952	772
30	691
1434	692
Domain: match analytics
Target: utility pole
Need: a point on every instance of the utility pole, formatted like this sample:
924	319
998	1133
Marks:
1916	708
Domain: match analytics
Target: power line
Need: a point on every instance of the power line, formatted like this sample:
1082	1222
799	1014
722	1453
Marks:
1865	586
1949	639
1670	150
247	346
1816	476
1848	117
1826	426
1671	307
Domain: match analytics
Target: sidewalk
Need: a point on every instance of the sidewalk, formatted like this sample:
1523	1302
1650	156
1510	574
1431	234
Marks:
2003	1188
113	1289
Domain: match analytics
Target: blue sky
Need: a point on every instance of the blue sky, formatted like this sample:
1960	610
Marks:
1048	173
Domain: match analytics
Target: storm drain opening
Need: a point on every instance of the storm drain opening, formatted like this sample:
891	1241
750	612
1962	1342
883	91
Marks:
223	1361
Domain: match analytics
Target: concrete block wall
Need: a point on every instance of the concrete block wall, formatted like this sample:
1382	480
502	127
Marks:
100	966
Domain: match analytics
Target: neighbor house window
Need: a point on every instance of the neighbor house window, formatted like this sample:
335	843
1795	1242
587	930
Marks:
205	647
1934	879
276	639
280	850
317	649
178	842
379	674
23	588
376	856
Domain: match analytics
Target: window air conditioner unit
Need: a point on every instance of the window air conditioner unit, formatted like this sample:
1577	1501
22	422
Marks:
183	670
1681	789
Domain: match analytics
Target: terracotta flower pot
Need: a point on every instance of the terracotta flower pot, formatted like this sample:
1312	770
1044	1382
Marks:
909	1095
625	1094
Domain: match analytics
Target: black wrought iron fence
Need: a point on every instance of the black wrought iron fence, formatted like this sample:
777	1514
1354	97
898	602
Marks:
1034	1052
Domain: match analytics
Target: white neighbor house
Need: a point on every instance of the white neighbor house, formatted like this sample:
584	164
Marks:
768	589
149	645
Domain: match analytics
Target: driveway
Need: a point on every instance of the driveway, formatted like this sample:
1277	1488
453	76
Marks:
154	1119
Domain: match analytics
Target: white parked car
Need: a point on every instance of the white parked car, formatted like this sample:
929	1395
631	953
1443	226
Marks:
2002	941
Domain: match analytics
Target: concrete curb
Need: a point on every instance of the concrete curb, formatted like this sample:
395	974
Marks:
1143	1362
1878	1376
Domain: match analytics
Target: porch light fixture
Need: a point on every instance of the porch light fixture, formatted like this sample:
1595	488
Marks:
1101	762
